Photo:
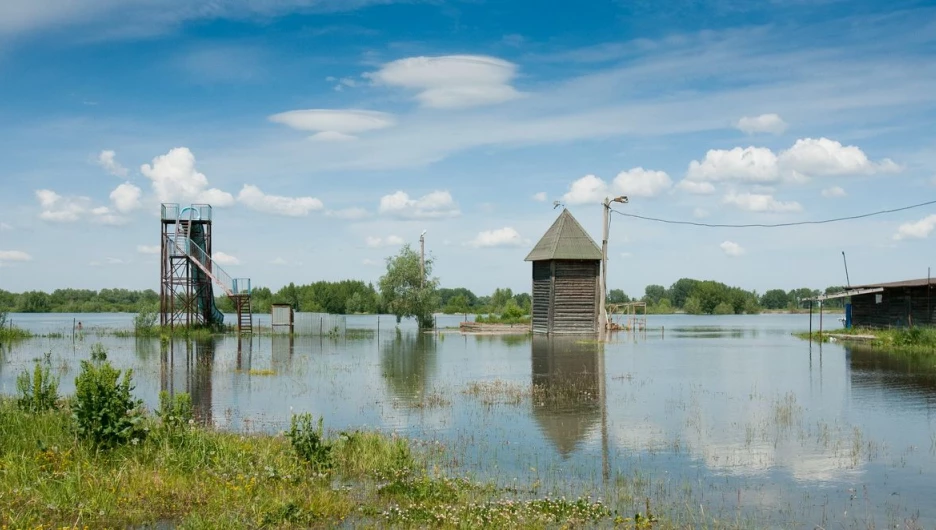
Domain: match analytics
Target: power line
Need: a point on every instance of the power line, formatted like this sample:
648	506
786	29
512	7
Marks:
774	225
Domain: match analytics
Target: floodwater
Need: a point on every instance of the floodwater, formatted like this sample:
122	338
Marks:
729	418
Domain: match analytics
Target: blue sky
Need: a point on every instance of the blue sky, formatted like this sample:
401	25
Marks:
327	133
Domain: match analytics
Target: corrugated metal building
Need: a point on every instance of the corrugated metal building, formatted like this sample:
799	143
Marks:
895	304
566	270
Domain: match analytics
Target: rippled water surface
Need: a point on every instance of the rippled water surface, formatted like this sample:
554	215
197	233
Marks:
726	417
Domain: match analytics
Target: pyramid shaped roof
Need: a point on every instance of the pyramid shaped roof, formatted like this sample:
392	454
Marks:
565	239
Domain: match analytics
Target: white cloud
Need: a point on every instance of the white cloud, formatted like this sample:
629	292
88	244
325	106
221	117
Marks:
501	237
108	160
370	262
640	182
437	204
331	125
834	191
284	262
351	214
539	197
59	209
4	227
695	187
104	215
126	197
757	202
109	261
700	213
332	136
148	249
451	81
810	157
916	230
752	164
175	179
765	123
224	259
389	241
14	255
731	248
588	189
252	197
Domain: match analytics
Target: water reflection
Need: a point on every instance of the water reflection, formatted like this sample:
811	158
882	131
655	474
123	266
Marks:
193	361
408	363
908	379
567	384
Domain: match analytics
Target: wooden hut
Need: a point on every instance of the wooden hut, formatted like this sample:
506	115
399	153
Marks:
896	304
566	286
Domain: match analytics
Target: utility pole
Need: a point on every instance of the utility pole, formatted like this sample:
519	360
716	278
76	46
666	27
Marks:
605	227
422	259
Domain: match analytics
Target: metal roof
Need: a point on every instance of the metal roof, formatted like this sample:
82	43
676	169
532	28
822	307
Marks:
565	239
906	283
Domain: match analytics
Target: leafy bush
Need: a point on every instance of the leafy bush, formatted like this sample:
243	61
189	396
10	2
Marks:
144	324
105	411
39	392
309	442
175	413
723	308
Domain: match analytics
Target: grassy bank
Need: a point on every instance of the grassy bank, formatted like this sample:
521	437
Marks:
196	477
897	340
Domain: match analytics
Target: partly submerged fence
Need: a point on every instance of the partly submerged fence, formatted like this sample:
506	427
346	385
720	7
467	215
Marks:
314	324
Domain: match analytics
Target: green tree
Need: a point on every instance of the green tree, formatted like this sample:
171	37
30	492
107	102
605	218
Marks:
681	290
617	296
457	305
775	299
692	306
405	292
723	308
499	299
654	293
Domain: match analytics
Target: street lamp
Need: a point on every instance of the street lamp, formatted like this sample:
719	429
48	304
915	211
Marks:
606	226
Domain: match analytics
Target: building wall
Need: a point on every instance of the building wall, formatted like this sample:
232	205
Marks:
565	296
899	307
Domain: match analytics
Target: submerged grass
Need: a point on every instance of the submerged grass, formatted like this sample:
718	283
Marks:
917	339
203	478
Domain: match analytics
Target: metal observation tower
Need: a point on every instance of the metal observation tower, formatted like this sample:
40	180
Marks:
188	274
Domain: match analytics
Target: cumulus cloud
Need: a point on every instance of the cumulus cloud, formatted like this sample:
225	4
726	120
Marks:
731	248
765	123
916	230
640	182
758	202
175	179
696	187
59	209
104	215
108	160
501	237
253	198
539	197
588	189
370	262
435	205
148	249
451	81
637	182
14	255
334	125
224	259
823	157
351	214
834	191
808	157
109	261
126	197
389	241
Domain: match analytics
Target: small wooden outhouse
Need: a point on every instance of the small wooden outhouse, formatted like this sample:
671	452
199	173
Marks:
566	285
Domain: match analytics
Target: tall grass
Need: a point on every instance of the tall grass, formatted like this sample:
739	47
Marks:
9	332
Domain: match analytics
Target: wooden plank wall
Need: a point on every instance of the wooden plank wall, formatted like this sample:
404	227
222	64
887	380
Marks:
542	285
898	308
575	301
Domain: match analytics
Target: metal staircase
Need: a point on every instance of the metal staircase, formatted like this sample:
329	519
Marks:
186	243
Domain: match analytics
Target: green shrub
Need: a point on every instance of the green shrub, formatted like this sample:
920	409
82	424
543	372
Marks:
175	414
144	324
39	392
104	410
724	308
309	442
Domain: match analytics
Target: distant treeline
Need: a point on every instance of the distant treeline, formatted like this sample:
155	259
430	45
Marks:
355	296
